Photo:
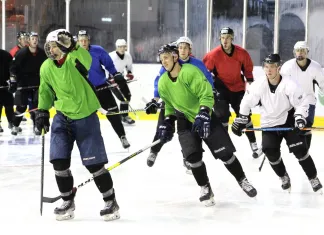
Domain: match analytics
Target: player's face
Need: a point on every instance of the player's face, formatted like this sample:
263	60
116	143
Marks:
271	70
23	41
55	52
184	50
226	41
167	61
33	41
84	42
301	53
121	49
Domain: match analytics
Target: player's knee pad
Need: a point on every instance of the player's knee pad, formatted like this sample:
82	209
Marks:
228	159
195	159
21	108
273	155
222	112
302	155
61	164
97	170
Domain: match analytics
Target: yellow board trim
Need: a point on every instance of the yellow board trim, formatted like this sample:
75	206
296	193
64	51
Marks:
319	120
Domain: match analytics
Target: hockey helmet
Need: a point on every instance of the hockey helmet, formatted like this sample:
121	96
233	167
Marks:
121	42
83	33
226	30
184	40
272	59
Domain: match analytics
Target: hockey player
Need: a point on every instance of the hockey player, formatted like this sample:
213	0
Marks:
98	79
227	62
184	45
22	38
283	104
24	74
307	72
189	99
123	60
64	82
6	98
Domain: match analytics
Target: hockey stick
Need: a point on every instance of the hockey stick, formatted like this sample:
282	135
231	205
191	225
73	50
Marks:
20	88
29	111
264	158
283	129
113	85
105	112
54	199
121	93
42	173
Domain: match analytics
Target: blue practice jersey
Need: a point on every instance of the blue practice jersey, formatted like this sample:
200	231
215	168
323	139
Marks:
100	57
198	63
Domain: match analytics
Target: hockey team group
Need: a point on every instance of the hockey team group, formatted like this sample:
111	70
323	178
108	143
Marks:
78	78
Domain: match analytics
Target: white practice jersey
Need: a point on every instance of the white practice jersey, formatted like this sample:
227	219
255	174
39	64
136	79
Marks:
122	64
275	105
306	79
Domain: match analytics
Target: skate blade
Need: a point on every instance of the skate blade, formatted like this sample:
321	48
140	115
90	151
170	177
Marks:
320	192
66	216
111	217
189	172
210	202
288	190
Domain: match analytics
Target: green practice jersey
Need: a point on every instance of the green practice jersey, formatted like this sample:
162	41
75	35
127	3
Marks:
66	87
190	91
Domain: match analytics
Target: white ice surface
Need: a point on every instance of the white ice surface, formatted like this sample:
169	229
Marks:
158	200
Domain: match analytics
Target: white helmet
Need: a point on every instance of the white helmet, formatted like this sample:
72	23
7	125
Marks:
301	45
121	42
184	40
53	37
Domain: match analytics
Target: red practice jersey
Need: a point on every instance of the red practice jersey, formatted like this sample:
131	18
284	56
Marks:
14	51
229	68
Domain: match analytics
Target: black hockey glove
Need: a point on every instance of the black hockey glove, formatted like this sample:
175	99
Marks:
120	80
239	124
202	124
12	82
65	41
152	107
300	123
42	120
166	129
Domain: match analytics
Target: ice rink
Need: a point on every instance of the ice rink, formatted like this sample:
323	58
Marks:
158	200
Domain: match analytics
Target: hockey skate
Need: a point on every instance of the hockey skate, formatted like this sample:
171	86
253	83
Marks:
110	211
248	188
127	120
15	130
187	166
124	142
286	182
65	211
207	195
257	152
316	185
151	159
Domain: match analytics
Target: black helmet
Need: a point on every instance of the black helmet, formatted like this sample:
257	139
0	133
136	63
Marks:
168	48
272	59
82	33
22	34
226	30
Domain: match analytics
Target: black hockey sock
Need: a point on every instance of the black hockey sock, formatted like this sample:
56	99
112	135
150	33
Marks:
156	148
117	125
9	113
124	106
64	180
233	165
278	167
251	135
103	180
308	166
200	173
1	111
